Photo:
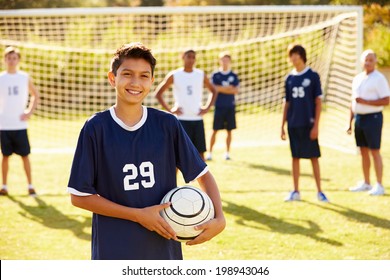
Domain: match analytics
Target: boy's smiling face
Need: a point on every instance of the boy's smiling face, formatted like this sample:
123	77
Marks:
133	81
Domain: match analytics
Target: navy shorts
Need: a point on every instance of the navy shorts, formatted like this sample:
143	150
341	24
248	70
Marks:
14	141
195	130
368	130
224	118
301	145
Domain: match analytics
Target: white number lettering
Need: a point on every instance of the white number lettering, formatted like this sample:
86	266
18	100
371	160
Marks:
298	92
133	175
146	170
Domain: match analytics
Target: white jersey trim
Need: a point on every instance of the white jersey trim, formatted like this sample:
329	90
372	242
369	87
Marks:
296	73
78	193
205	170
125	126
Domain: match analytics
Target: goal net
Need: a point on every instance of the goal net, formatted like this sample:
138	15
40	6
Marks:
67	52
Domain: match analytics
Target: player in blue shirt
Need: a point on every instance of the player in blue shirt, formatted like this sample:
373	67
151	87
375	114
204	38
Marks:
125	162
301	110
226	82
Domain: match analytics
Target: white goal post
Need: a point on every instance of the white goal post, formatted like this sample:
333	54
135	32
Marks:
67	52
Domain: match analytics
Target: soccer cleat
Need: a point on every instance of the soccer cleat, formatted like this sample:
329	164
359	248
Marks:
361	187
293	196
322	197
3	192
209	157
377	190
31	192
227	157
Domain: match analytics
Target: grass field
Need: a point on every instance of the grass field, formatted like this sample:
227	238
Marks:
253	185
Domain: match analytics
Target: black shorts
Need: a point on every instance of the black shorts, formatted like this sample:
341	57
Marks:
368	130
14	141
224	118
301	145
195	130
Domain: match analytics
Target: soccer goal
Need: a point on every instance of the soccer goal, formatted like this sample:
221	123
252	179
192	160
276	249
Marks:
68	51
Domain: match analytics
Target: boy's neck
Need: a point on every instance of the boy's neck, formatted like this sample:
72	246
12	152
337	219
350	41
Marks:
12	70
129	115
300	67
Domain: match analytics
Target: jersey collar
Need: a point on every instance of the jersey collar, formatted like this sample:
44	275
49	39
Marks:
130	128
296	73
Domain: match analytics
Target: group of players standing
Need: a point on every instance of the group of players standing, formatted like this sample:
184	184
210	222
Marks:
127	156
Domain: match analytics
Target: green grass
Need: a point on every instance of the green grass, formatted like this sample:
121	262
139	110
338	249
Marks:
253	185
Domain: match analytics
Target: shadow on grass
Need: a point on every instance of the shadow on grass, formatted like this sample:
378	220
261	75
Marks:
51	217
245	214
358	216
277	170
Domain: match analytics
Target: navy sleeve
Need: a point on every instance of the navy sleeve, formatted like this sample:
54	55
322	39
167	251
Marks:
286	95
188	159
82	175
317	85
236	80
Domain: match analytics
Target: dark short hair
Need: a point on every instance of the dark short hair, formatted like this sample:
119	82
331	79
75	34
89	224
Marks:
188	51
132	50
298	49
11	49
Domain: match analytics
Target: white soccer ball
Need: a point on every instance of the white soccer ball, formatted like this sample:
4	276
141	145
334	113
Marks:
189	207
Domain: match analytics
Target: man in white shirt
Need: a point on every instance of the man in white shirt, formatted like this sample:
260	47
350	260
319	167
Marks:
188	83
370	93
15	87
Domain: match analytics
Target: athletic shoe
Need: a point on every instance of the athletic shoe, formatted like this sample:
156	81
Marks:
209	157
227	157
3	192
361	187
31	192
322	197
377	190
293	196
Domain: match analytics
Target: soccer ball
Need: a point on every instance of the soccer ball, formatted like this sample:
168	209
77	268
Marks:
189	207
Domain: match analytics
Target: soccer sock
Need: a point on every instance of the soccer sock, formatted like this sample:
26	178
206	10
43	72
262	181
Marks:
4	187
30	186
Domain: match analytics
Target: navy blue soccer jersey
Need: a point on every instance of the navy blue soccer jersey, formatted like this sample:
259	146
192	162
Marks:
301	91
221	78
135	167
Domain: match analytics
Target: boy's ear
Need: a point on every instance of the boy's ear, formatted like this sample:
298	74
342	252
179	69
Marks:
111	78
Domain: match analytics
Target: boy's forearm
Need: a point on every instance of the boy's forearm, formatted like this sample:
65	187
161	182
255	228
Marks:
102	206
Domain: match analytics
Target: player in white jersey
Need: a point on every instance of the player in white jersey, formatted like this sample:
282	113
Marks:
370	93
188	83
15	87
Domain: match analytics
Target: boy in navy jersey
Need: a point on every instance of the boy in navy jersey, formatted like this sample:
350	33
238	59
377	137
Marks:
226	82
125	162
301	110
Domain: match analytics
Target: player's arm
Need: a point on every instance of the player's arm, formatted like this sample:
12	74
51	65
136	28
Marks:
34	99
161	88
227	89
318	108
148	217
216	225
351	117
378	102
286	104
212	96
